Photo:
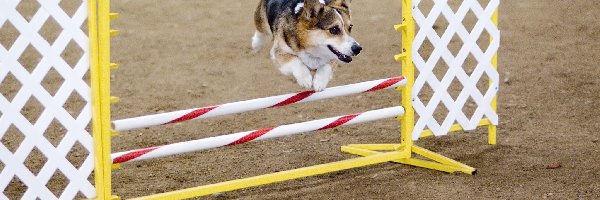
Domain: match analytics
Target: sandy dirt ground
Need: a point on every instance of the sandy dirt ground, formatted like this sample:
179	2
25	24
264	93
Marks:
185	54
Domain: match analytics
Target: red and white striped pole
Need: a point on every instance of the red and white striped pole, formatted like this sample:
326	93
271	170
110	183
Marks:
243	137
255	104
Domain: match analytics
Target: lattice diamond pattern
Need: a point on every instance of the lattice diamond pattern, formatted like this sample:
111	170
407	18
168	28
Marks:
72	53
30	58
55	132
453	47
8	35
50	30
28	8
52	81
9	86
53	75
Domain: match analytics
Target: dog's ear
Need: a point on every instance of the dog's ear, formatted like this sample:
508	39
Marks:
313	8
339	3
346	3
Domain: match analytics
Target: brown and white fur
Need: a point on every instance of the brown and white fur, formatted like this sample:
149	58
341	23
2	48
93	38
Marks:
307	35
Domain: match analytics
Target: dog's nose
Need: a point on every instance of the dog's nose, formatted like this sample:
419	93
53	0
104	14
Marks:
356	49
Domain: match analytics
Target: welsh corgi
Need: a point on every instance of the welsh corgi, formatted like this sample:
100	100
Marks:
307	35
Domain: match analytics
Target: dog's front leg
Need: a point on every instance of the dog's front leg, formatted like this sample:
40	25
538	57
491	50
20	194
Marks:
292	65
322	77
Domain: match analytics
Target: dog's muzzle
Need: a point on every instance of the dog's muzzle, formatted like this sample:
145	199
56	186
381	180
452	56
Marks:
343	57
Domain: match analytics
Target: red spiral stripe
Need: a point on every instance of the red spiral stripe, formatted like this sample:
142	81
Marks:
251	136
294	99
386	83
340	121
193	114
133	155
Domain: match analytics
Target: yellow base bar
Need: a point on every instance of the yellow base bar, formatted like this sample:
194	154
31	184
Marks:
396	153
377	147
441	163
281	176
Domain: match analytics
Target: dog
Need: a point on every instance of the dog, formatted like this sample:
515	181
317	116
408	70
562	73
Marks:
307	35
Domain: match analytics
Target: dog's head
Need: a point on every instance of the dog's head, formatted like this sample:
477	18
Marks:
325	27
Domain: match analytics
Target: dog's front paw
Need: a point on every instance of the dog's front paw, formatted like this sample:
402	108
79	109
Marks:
320	83
322	77
305	81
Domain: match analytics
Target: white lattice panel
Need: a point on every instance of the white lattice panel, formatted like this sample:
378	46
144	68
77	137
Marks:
45	109
452	64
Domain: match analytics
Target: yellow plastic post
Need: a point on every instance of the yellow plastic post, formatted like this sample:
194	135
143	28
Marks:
408	71
101	171
491	127
100	66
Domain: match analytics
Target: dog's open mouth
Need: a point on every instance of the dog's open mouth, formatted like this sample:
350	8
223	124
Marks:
343	57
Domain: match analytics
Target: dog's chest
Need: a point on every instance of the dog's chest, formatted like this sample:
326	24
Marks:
312	62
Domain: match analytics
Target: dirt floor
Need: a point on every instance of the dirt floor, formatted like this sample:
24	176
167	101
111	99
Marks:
184	54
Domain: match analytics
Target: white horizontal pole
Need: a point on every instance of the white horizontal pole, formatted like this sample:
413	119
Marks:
243	137
255	104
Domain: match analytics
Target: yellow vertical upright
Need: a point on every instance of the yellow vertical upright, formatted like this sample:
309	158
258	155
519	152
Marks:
408	71
492	127
102	169
99	33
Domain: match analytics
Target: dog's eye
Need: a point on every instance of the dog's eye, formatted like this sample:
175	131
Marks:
350	28
335	30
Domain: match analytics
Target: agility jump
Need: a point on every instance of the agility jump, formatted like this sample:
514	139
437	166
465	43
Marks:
409	85
96	59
